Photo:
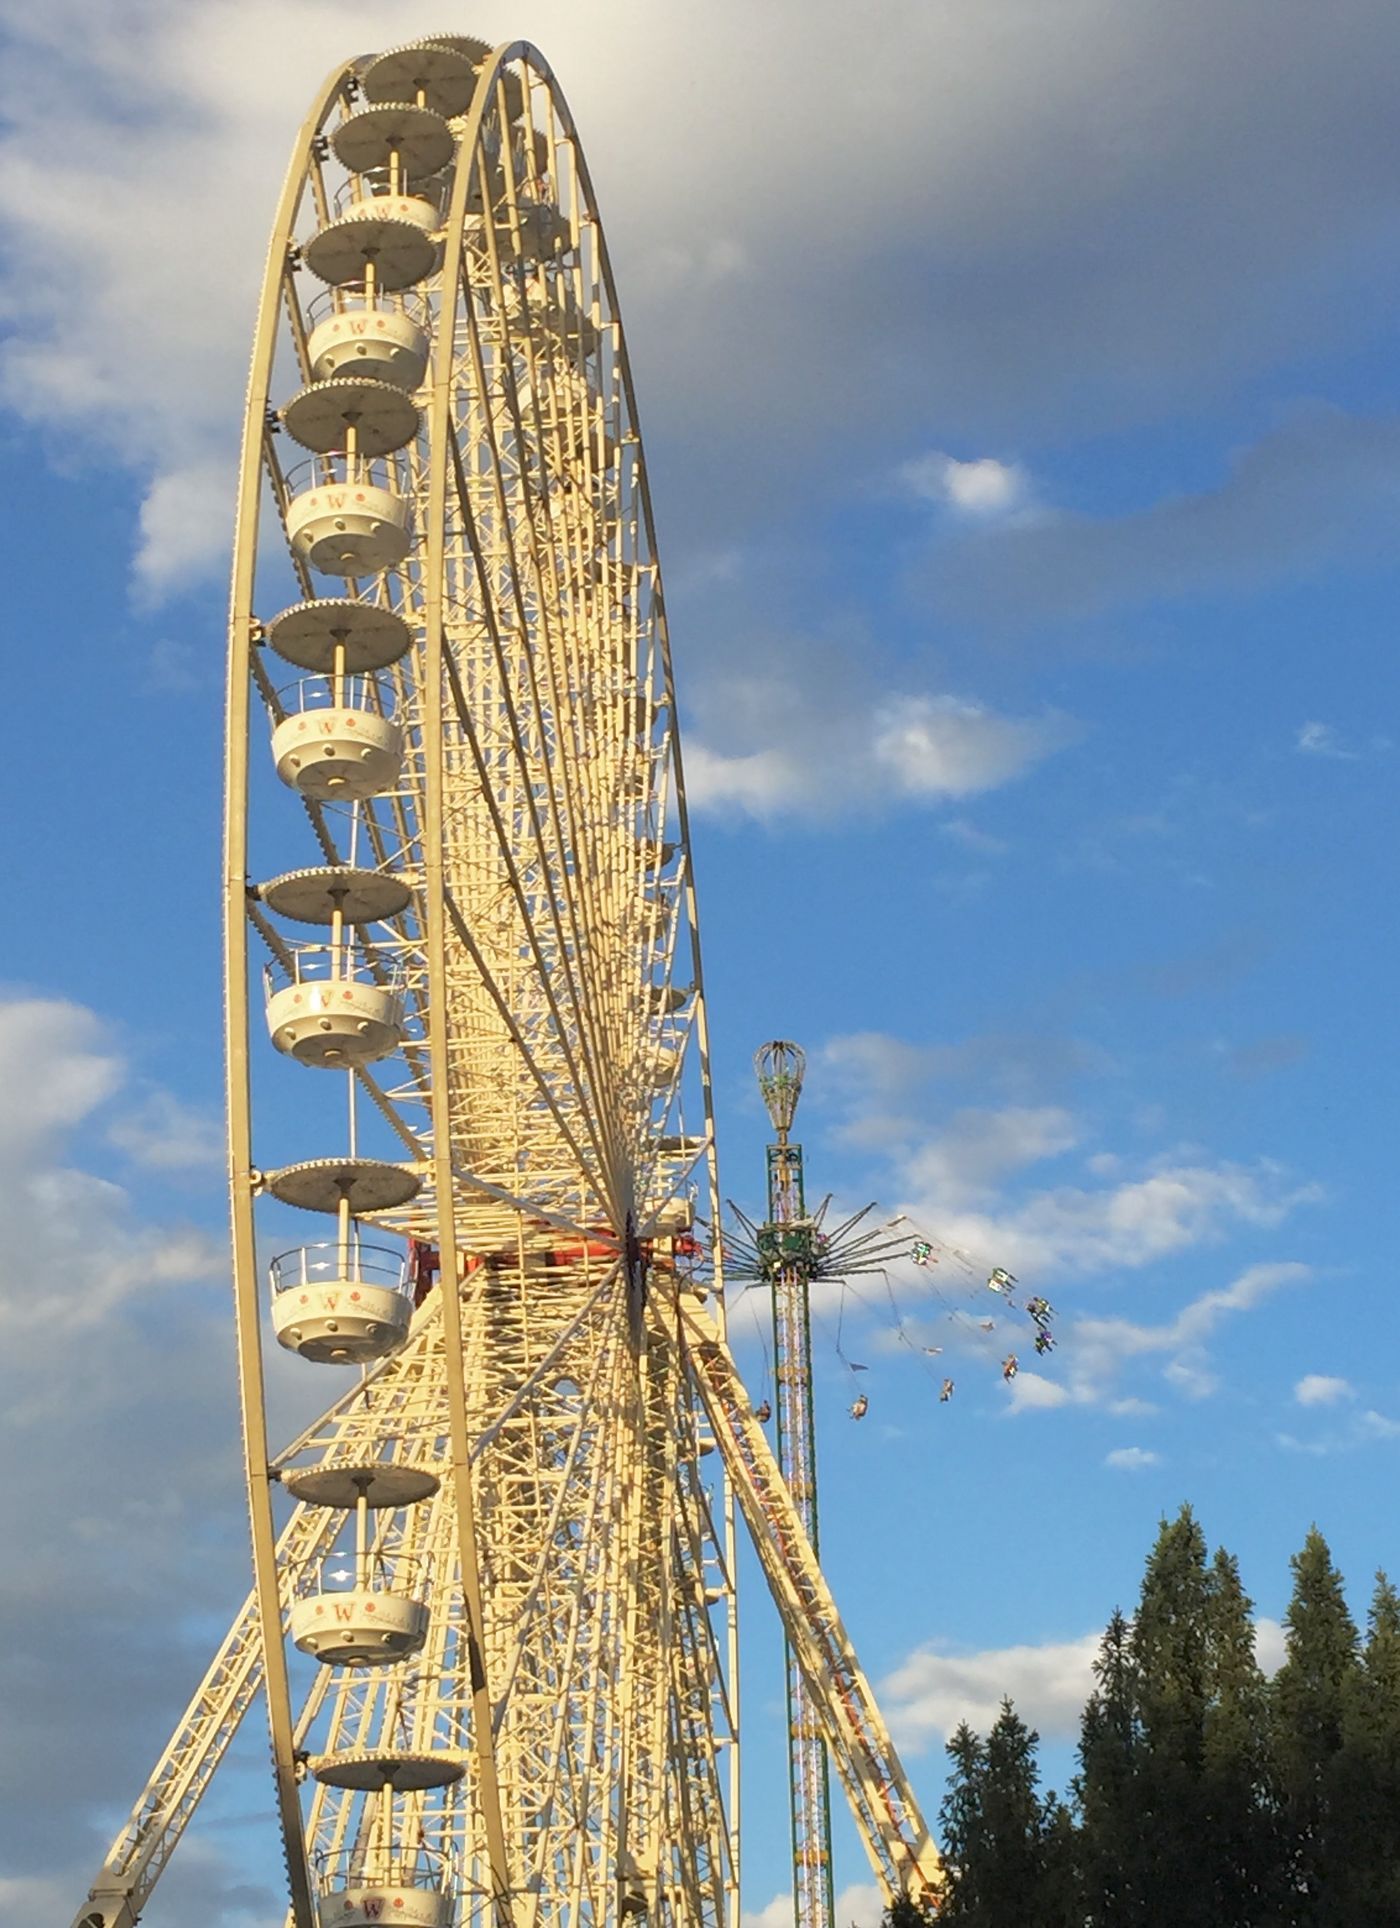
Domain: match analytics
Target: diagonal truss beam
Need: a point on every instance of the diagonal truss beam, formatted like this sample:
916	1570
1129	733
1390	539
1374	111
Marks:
901	1850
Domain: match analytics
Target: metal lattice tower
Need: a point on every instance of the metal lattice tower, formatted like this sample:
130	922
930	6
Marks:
492	1617
788	1242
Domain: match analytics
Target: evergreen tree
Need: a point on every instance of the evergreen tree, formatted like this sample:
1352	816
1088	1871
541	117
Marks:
1106	1790
1311	1693
1171	1649
905	1912
960	1826
1237	1771
1366	1782
1061	1894
1012	1821
1005	1847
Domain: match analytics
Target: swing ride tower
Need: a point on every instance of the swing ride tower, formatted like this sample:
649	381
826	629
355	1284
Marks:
788	1242
492	1614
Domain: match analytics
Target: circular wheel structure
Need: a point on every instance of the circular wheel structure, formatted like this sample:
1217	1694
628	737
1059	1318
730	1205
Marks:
458	890
493	1612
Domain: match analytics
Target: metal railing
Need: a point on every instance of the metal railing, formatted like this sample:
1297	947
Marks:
335	1262
405	1575
349	299
376	186
383	1864
348	962
335	467
372	694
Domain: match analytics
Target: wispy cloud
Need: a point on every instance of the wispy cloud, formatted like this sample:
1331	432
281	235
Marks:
1321	739
890	751
937	1686
164	1134
860	1905
1318	489
1097	1353
1170	1207
1320	1389
1131	1459
983	488
122	1368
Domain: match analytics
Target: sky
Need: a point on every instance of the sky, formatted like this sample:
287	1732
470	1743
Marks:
1022	408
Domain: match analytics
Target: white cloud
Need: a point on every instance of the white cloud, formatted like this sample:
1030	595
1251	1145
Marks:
936	1687
776	1913
1096	1352
1131	1459
1270	1648
1101	1349
964	1165
983	488
868	755
185	526
1319	739
942	746
56	1067
113	1362
971	837
1318	1389
954	1182
860	1905
163	1134
1031	1392
1075	1229
1359	1429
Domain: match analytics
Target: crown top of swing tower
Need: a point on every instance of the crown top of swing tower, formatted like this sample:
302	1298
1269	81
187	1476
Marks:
780	1066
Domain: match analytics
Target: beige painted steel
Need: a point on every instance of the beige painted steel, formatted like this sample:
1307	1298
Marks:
536	1464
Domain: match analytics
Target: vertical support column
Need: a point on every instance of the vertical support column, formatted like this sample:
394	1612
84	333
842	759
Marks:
813	1889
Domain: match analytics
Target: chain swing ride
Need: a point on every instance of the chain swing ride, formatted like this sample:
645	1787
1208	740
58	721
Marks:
786	1256
492	1617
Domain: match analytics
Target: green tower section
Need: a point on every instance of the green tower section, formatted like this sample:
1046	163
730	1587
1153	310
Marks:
789	1247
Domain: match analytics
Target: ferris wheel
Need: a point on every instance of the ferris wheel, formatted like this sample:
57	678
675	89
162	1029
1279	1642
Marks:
470	1118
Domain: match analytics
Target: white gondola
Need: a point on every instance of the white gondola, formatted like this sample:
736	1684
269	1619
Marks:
335	1005
373	1884
341	1303
350	331
338	739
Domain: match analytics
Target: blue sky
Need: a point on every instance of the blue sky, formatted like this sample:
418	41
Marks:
1021	398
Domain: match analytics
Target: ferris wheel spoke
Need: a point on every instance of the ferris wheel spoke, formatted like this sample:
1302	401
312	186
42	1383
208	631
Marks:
551	854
